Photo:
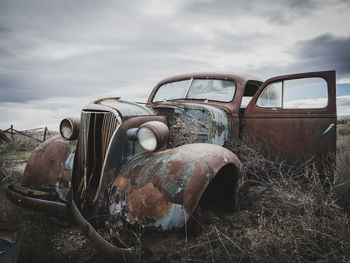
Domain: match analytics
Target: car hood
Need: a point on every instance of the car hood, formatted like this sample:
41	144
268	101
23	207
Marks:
125	109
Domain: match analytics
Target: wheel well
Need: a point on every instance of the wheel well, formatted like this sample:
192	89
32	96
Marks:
221	193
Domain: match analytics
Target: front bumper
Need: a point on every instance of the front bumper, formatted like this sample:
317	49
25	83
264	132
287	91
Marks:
32	202
102	246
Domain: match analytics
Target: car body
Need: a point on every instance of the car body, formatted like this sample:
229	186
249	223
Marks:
155	164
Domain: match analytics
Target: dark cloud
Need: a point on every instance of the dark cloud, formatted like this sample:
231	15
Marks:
326	51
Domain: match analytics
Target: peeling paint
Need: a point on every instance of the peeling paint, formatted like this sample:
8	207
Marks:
211	122
176	218
154	188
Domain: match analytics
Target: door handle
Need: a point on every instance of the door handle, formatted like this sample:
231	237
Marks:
328	129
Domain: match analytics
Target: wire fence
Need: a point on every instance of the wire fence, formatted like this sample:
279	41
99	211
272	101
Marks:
37	134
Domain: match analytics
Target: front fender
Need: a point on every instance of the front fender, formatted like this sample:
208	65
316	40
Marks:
162	189
50	165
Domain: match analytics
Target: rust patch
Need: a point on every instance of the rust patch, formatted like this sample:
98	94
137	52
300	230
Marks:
166	186
148	202
46	166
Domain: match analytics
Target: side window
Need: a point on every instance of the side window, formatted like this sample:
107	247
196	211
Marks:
310	93
271	97
307	93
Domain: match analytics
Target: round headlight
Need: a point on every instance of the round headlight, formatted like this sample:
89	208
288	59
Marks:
147	139
153	135
69	128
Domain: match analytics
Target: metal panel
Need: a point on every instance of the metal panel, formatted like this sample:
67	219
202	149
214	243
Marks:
298	135
162	189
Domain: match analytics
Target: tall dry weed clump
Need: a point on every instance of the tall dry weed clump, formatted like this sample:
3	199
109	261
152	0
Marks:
182	133
342	176
22	143
5	171
298	212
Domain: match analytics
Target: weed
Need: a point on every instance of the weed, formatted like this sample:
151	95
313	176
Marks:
182	133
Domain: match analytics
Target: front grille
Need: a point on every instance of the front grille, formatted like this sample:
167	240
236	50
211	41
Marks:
96	132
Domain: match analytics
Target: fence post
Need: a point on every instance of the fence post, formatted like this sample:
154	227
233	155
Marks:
45	134
12	133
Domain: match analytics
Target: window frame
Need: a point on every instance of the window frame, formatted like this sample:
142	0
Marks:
189	87
282	95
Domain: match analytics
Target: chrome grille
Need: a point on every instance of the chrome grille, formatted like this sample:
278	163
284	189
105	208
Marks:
109	125
97	129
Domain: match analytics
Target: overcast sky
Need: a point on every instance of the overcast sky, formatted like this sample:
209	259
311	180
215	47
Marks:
56	56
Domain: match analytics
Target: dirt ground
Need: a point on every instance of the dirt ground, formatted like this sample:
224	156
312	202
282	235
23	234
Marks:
46	239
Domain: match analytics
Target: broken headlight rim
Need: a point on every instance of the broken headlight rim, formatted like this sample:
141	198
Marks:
153	135
69	128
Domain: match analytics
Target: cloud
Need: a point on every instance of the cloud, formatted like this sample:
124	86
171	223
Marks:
343	105
69	49
326	51
40	113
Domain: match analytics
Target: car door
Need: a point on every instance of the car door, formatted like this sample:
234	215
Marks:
294	116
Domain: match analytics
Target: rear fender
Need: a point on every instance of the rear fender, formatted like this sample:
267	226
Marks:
50	166
162	189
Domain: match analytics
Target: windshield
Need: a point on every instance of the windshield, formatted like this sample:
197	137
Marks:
205	89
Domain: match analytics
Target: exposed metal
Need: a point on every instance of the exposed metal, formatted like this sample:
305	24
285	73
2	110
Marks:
124	109
100	244
74	124
97	130
211	122
50	166
162	189
120	151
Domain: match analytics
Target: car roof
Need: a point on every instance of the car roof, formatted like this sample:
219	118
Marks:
240	78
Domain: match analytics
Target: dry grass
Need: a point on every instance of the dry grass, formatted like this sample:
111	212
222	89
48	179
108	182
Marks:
287	214
301	213
182	133
343	127
5	170
23	143
301	220
342	176
14	154
46	239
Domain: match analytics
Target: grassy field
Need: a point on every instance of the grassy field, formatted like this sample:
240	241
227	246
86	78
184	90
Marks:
287	214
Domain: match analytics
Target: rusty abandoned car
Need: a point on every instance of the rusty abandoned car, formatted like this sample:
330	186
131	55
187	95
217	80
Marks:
124	159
